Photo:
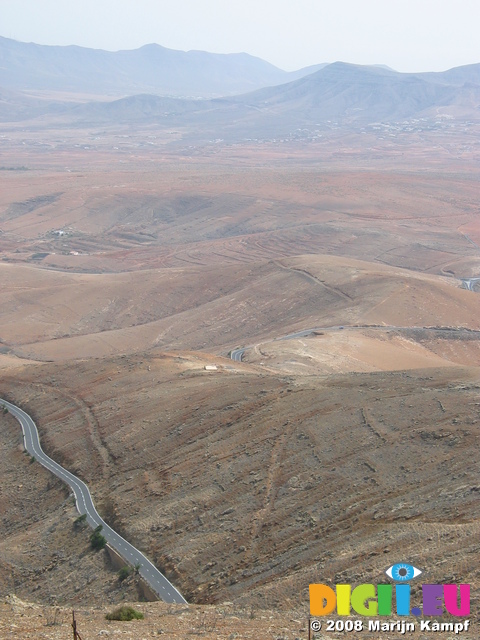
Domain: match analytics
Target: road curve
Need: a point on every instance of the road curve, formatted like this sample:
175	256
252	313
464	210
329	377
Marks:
469	283
149	572
238	353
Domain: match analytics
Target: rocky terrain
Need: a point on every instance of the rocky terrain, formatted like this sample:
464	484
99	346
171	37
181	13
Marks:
41	546
132	259
246	486
19	619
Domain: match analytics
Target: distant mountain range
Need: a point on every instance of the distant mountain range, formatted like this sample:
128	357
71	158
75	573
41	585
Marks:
150	69
350	92
346	94
338	93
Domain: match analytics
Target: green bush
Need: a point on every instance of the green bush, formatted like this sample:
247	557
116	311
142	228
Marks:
124	614
97	541
124	573
78	522
5	409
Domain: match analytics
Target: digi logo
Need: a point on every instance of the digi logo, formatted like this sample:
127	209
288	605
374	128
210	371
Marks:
378	600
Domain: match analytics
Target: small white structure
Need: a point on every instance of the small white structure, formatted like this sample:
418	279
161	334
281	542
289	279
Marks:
211	367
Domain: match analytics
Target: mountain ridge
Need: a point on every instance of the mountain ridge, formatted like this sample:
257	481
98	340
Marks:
151	68
350	94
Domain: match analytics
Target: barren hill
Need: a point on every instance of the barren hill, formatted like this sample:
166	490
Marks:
248	486
132	257
346	92
59	316
155	212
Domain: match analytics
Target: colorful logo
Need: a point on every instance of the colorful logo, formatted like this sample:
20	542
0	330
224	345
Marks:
378	600
402	572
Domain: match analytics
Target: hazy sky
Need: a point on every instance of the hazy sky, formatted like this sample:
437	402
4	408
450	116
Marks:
408	35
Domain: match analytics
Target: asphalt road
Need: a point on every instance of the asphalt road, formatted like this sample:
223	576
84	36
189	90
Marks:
469	283
237	354
149	572
157	581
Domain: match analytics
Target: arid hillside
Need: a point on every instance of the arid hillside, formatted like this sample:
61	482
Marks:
247	486
20	620
130	213
42	551
131	259
48	315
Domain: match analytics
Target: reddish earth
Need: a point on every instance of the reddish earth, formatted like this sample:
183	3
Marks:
248	486
327	458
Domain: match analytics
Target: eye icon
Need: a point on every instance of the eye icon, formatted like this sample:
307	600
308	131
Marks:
402	572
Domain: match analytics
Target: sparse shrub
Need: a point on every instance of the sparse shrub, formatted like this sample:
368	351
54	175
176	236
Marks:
78	522
52	617
124	573
124	614
32	459
97	541
5	409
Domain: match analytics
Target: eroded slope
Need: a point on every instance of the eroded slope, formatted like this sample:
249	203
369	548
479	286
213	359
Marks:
246	486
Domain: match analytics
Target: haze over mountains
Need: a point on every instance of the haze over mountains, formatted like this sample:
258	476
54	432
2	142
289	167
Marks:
55	83
150	69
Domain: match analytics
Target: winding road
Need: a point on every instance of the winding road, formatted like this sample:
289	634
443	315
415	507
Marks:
238	353
469	283
149	572
155	579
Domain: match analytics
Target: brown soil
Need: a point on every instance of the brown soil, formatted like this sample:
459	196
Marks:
55	316
41	546
248	487
21	620
326	458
